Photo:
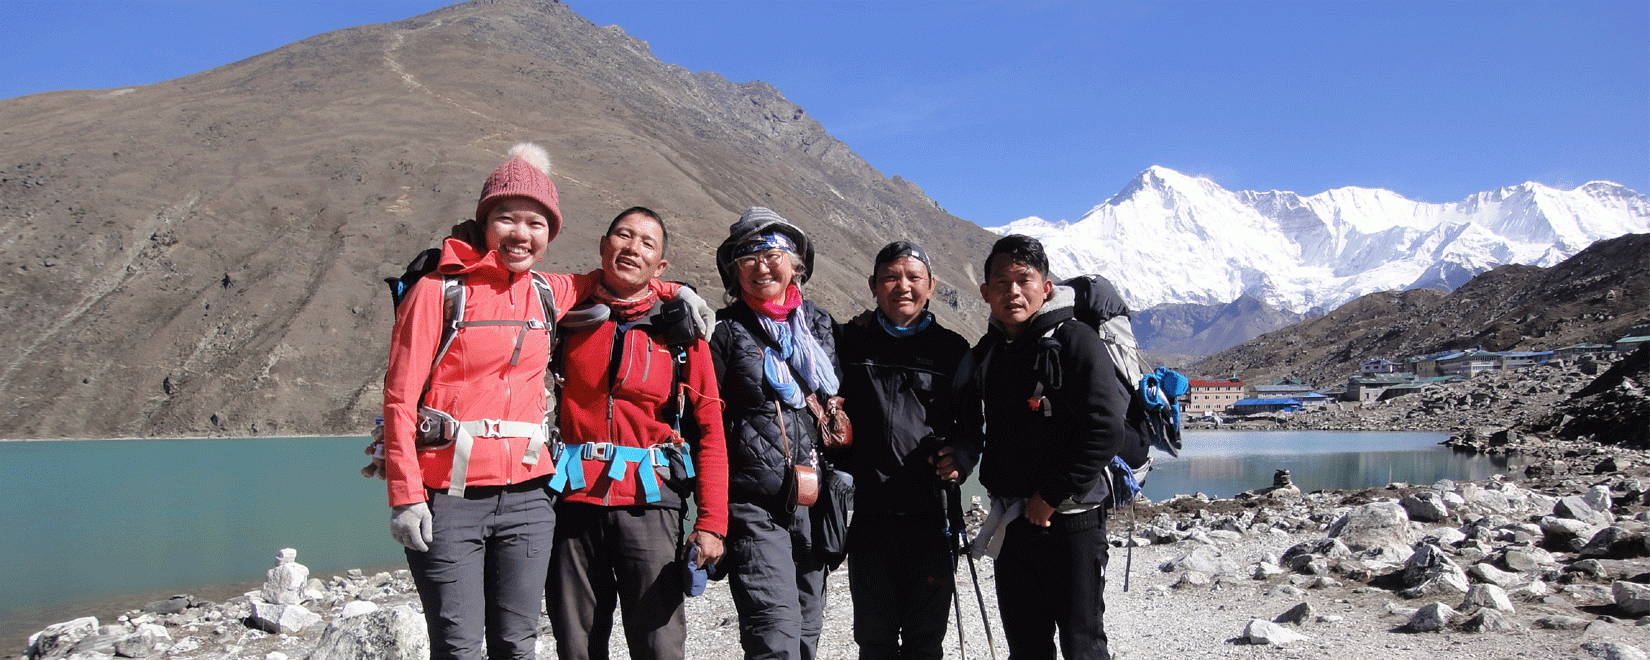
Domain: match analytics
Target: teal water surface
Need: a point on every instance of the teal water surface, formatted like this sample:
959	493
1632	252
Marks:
106	522
93	519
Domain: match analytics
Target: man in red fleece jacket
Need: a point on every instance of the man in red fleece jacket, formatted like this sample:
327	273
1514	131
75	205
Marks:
619	526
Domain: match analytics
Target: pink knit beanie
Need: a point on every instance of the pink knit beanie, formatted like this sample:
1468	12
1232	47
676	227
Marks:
525	174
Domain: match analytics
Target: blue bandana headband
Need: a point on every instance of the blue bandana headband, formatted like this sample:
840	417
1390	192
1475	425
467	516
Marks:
763	243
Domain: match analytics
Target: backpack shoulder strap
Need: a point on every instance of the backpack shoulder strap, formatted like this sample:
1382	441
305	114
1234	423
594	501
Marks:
547	304
452	313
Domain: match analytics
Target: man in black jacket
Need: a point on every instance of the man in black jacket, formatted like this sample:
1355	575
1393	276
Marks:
1042	385
897	366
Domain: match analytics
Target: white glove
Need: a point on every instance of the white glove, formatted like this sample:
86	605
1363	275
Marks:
704	318
412	526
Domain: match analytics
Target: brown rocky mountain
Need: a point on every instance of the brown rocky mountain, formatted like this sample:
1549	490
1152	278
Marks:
204	256
1595	296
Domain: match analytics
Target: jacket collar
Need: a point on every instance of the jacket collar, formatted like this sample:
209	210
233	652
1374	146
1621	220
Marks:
1056	310
460	258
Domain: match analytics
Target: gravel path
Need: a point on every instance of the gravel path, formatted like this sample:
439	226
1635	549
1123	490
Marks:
1155	620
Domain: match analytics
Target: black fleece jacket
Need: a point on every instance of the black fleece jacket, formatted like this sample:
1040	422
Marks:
1022	450
898	393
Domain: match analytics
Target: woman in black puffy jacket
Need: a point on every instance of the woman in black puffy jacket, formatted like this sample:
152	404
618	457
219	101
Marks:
772	348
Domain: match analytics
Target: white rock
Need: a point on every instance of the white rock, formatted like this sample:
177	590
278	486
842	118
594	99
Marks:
1599	498
1614	651
1261	631
1487	595
58	638
1373	525
395	633
147	640
357	608
1431	618
282	619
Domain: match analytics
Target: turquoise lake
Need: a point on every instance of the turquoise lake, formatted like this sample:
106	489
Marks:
104	526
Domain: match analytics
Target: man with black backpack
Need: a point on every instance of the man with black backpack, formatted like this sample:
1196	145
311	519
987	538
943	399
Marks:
642	422
1043	388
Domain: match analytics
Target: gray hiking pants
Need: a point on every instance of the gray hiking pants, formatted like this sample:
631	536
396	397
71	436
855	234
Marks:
778	585
623	554
483	578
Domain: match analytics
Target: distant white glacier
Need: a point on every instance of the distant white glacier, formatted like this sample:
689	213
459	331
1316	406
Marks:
1168	237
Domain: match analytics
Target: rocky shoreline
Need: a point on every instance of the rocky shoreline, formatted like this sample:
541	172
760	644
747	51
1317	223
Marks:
1553	565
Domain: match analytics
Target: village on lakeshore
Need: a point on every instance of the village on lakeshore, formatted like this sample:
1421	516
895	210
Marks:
1382	379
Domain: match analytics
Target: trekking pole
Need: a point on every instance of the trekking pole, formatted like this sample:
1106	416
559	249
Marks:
956	494
951	531
1128	561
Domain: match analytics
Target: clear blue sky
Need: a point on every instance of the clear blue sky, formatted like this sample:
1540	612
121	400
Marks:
1005	109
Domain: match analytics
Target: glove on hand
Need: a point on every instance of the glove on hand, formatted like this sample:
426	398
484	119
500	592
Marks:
412	526
704	318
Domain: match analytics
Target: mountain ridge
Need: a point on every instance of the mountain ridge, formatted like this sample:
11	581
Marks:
203	256
1168	237
1596	296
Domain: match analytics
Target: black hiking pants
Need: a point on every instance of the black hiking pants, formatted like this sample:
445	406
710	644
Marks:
900	575
627	555
1054	579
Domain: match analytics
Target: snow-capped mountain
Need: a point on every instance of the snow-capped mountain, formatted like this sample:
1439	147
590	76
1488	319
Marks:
1172	238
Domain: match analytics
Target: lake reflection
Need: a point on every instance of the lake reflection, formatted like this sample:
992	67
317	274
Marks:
1225	463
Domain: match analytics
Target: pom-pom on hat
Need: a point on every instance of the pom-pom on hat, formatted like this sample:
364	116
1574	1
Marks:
751	226
525	174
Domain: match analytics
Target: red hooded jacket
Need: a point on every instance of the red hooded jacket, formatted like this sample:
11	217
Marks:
475	379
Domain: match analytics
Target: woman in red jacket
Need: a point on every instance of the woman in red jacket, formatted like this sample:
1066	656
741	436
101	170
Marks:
469	497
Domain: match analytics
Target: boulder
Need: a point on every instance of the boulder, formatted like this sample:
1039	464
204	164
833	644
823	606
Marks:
357	608
1567	532
1616	543
1260	631
1488	574
1488	620
1373	525
149	639
1203	559
171	605
1332	548
1525	559
281	619
1561	622
1608	650
1261	570
101	642
1393	554
1298	615
1632	597
1575	507
57	639
395	633
1598	497
1444	536
1486	596
1192	579
1425	506
1431	573
1431	618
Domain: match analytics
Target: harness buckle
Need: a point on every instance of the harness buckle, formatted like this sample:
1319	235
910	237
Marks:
598	451
491	428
